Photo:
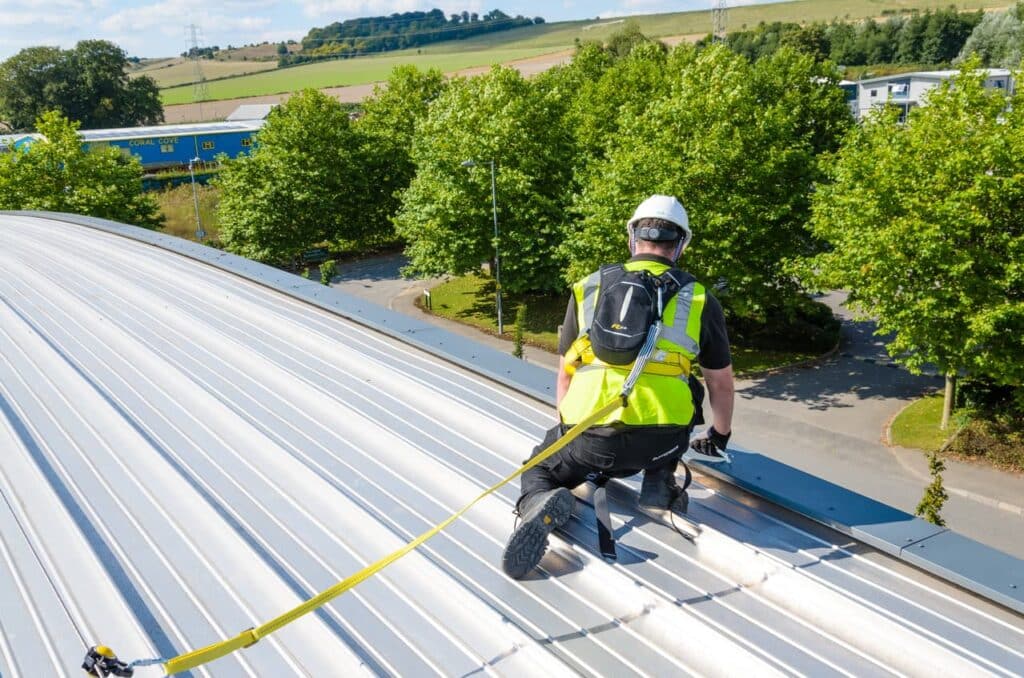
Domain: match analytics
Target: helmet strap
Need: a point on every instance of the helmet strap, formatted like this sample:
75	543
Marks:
679	249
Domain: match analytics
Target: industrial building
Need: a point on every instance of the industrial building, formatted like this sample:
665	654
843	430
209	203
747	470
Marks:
193	443
164	146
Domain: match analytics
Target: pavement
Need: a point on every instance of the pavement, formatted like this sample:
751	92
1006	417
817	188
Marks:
828	419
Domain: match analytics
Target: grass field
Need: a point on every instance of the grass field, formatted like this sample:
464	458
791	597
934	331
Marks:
171	72
544	38
348	72
918	425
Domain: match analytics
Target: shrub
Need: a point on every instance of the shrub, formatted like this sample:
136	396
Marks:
328	270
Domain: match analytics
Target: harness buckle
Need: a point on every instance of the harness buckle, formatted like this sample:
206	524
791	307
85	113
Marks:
101	661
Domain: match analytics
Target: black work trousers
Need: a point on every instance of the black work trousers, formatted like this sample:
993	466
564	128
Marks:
617	454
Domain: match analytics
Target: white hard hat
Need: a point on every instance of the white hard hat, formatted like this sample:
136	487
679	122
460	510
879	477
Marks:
663	207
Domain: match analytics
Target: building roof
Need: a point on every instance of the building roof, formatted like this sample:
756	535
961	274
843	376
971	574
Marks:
124	133
251	112
931	75
193	444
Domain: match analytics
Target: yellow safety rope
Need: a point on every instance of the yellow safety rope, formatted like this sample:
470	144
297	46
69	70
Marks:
191	660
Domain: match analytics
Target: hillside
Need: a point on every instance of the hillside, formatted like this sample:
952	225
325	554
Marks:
236	61
543	38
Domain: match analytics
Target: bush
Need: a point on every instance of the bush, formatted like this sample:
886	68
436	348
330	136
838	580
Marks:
935	496
328	270
517	337
998	440
807	325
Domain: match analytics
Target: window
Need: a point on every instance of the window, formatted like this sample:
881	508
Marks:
167	148
207	145
898	88
247	141
874	92
999	84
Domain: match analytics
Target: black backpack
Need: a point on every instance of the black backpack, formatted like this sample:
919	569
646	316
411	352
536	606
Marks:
627	306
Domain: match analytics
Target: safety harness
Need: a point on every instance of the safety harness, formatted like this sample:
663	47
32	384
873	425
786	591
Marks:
101	661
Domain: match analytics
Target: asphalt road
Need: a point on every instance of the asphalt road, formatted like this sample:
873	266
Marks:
828	419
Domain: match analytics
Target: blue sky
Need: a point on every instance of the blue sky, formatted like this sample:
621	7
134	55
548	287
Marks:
152	28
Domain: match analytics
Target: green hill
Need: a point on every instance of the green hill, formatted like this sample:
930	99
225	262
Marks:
552	37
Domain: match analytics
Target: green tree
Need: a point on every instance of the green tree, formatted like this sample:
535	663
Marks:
997	40
924	223
738	144
446	212
87	83
56	174
388	127
304	183
624	40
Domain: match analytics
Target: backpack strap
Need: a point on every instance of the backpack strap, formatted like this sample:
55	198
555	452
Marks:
670	282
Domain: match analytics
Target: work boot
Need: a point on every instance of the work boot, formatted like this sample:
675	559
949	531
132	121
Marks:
659	490
541	514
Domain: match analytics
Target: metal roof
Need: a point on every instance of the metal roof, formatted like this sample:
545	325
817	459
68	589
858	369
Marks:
93	135
187	452
251	112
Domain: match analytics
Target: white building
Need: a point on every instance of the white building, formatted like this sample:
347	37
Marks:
906	90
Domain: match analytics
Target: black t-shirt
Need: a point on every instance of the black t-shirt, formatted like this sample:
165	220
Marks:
714	340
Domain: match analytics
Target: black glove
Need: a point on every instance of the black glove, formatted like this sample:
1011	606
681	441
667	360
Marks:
709	448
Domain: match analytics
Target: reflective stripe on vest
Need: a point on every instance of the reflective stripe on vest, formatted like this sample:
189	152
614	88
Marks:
585	292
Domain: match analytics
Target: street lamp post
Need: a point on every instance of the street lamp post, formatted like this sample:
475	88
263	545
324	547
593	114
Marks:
497	254
200	233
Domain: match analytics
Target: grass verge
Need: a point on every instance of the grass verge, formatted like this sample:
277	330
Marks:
470	299
917	426
179	212
992	438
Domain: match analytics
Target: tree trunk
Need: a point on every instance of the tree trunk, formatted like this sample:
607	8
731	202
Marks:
947	403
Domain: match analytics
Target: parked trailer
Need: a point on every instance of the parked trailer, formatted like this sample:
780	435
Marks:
175	145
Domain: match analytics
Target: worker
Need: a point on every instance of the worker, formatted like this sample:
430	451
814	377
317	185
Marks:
652	432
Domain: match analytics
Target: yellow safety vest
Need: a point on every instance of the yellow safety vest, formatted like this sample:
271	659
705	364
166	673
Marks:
662	394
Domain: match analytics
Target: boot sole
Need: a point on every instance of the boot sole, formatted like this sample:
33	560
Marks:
528	543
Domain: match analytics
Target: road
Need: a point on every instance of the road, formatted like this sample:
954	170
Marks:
828	419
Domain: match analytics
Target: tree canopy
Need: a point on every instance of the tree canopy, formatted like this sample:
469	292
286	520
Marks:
998	40
87	83
924	222
399	31
387	127
304	183
56	174
446	216
929	37
738	144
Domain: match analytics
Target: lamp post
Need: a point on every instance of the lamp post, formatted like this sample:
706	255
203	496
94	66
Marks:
200	233
497	254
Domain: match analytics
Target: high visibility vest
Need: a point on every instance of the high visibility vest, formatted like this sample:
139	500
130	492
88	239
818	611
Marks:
662	394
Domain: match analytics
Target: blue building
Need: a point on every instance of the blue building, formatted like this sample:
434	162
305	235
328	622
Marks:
164	146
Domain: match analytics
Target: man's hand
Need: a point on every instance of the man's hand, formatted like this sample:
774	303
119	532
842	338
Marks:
709	448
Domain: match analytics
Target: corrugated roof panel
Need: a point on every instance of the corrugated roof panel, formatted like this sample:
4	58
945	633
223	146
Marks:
93	135
191	453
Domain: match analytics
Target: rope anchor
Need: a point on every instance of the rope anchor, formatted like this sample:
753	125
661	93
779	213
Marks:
101	661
